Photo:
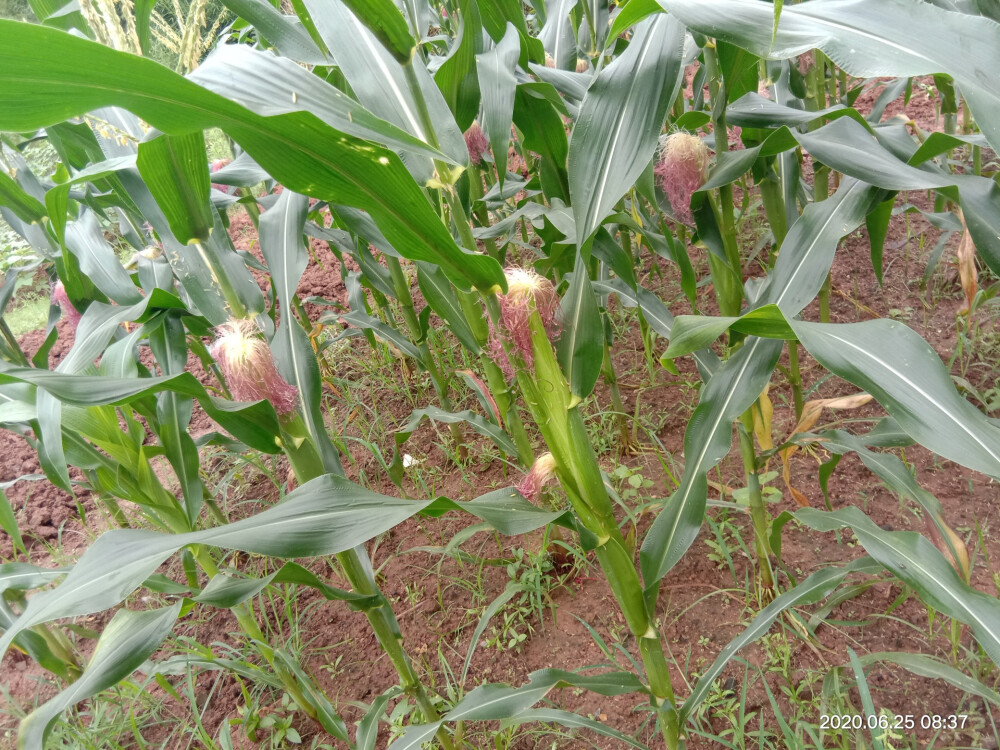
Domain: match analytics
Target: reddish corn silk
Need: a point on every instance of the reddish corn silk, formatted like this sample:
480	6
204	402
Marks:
537	477
475	141
527	292
61	299
682	169
248	367
215	167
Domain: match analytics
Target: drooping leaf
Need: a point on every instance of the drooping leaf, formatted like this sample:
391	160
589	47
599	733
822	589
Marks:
866	38
916	561
812	589
127	641
894	364
49	76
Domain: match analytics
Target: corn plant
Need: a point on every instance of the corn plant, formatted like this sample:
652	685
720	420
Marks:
402	122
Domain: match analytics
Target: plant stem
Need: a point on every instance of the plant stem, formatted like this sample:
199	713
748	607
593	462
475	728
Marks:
795	377
556	413
730	305
307	465
821	190
758	513
248	623
621	416
405	299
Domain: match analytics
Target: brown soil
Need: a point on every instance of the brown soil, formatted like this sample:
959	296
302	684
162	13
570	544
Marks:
702	606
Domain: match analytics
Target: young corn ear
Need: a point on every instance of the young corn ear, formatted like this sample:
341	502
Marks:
475	141
248	367
682	169
61	300
527	293
541	472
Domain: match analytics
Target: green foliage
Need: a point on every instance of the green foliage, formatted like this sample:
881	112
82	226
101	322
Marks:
356	110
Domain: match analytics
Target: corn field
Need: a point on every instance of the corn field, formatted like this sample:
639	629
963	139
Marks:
493	374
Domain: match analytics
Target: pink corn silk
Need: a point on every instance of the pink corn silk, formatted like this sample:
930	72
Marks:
248	367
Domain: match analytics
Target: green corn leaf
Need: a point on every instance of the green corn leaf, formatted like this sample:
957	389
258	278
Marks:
13	196
457	76
380	83
226	591
543	132
8	522
817	586
808	249
49	76
917	562
557	34
877	223
284	32
894	364
980	198
365	322
492	702
888	360
497	14
571	721
322	517
326	715
282	243
441	297
271	85
498	84
735	385
173	416
505	510
620	120
866	39
176	172
384	20
581	343
693	332
254	424
631	14
435	414
924	665
127	641
754	111
85	239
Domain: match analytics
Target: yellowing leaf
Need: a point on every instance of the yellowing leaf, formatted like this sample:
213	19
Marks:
811	412
762	412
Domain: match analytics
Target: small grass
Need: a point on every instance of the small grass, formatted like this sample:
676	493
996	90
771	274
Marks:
30	313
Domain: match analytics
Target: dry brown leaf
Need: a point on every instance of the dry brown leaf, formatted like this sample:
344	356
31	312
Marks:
962	565
811	411
967	273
